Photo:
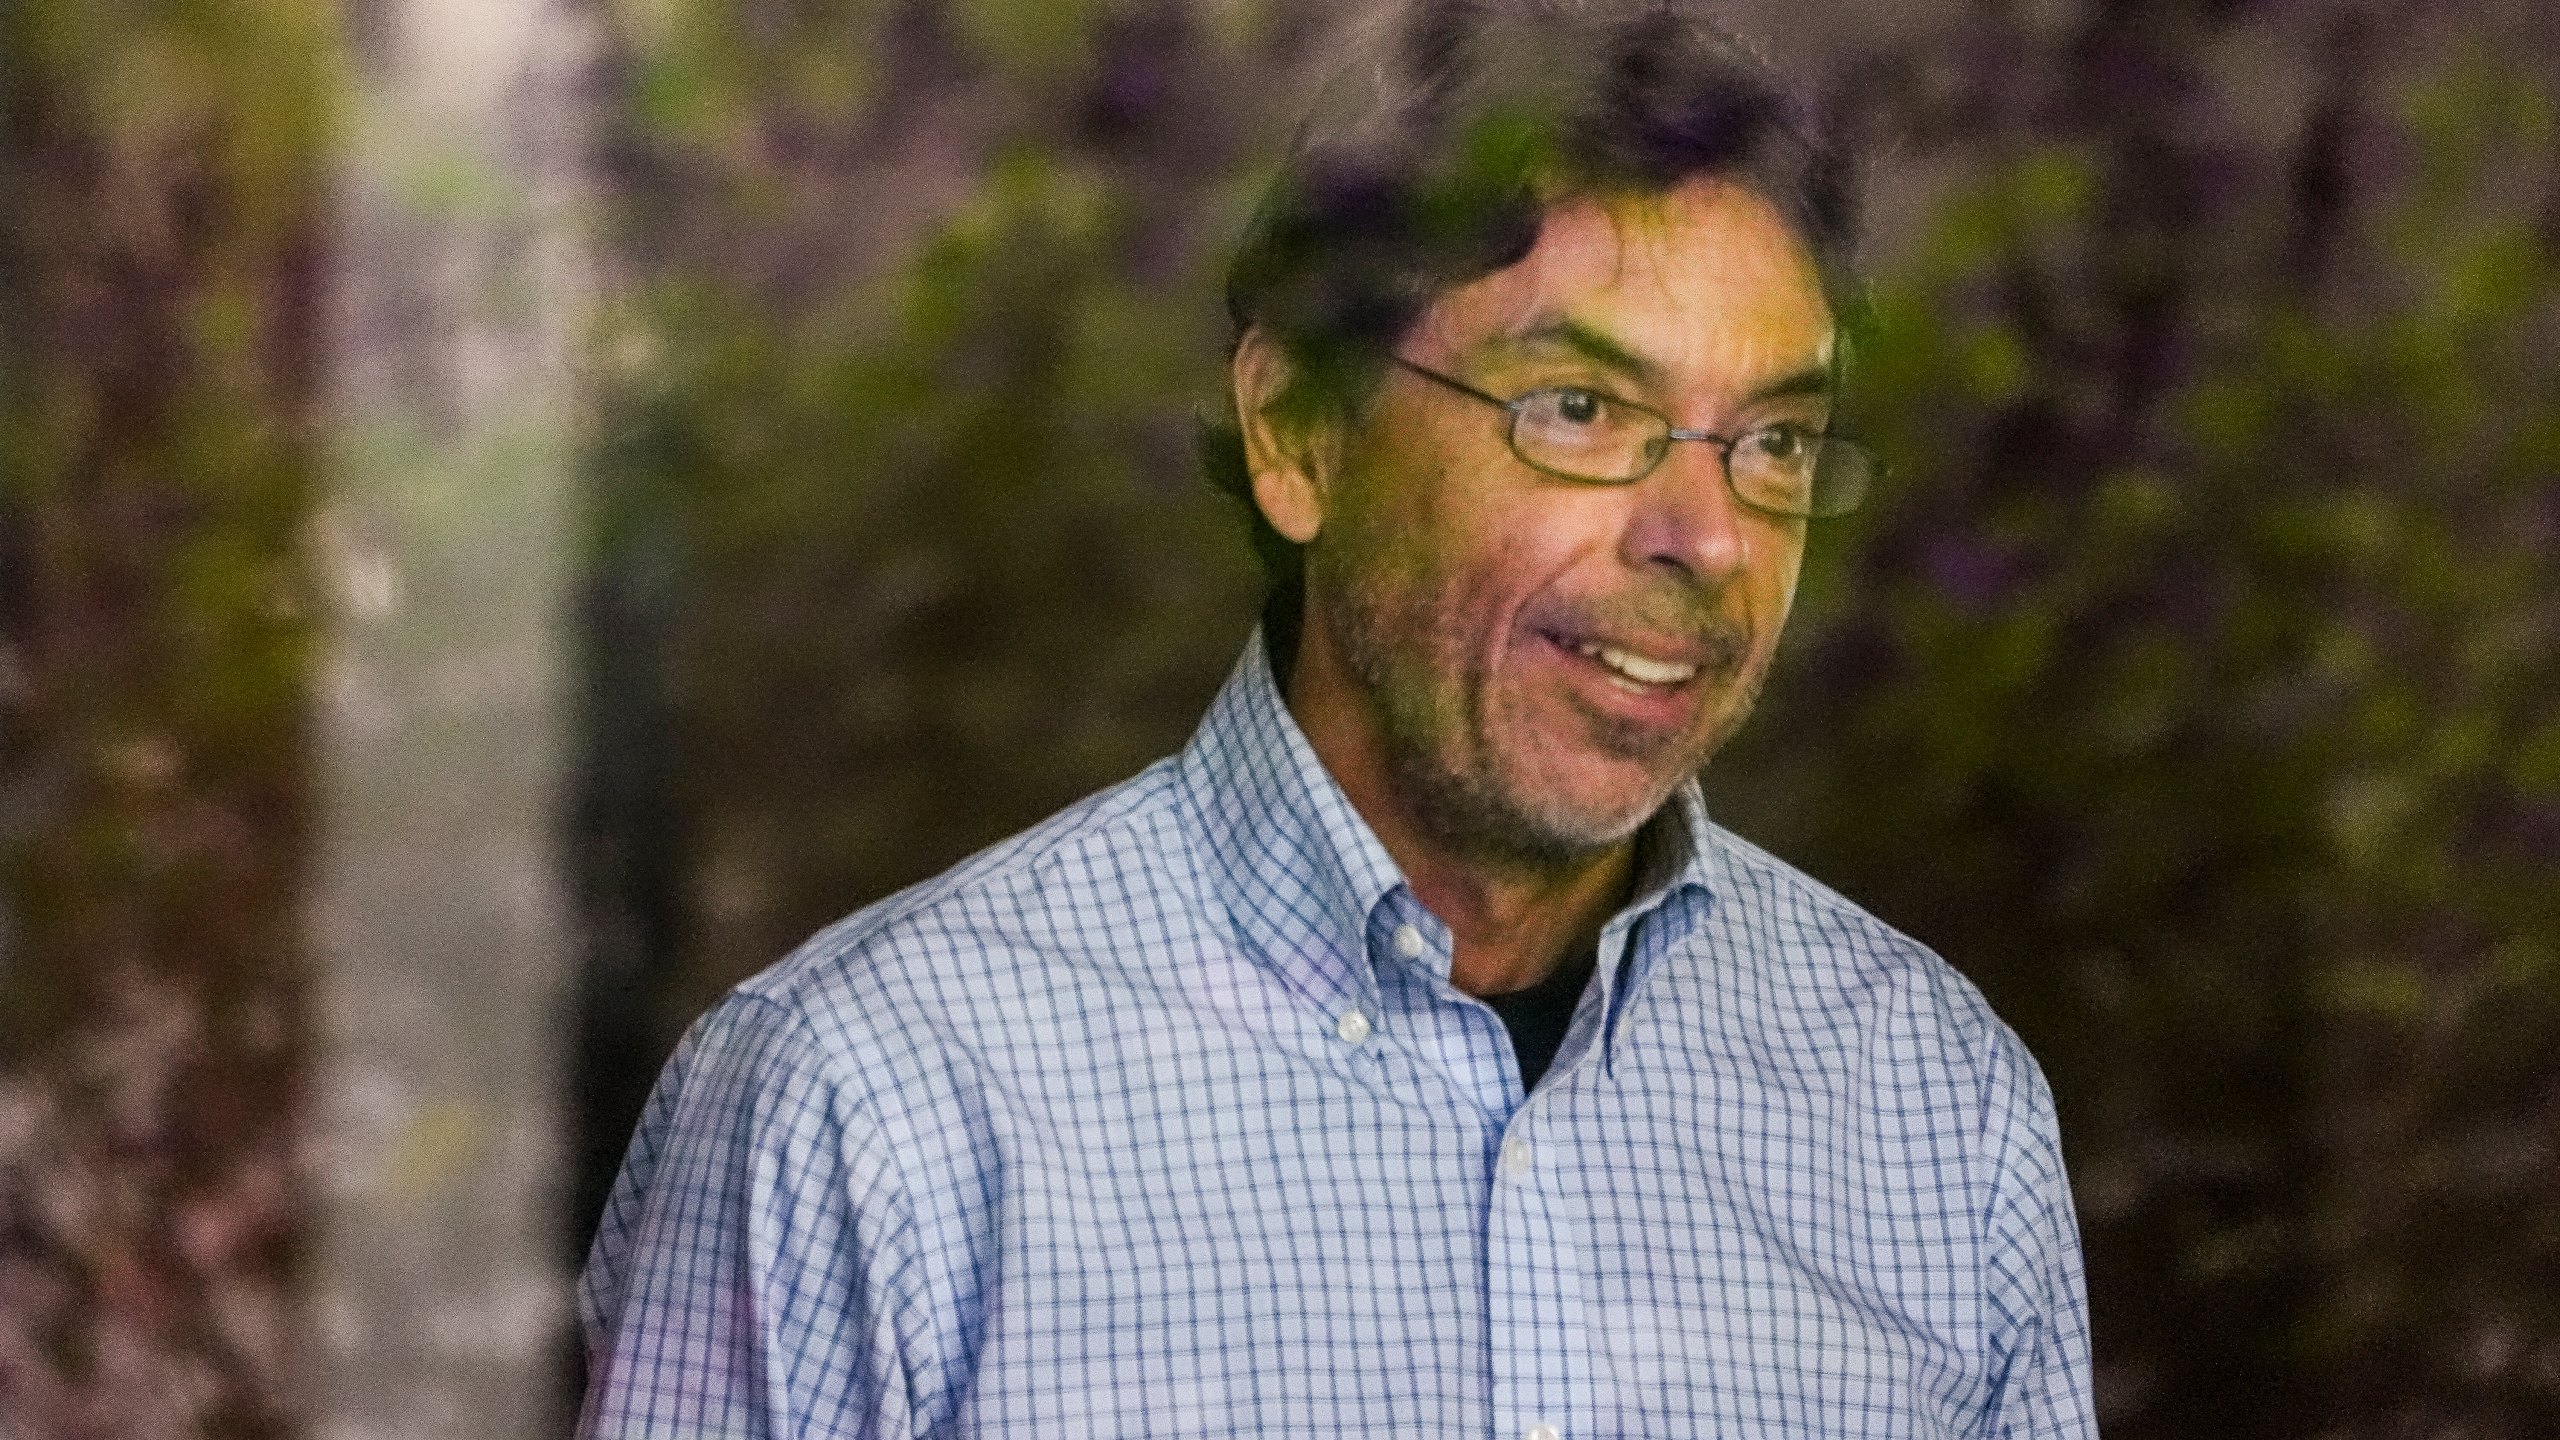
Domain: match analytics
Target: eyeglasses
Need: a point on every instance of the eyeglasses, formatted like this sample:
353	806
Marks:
1577	434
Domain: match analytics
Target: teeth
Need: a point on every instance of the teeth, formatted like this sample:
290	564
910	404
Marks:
1637	667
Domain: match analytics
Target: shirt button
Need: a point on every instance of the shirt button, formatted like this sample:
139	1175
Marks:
1409	942
1542	1432
1353	1027
1515	1159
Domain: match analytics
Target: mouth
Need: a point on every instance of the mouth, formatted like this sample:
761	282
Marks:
1646	698
1639	673
1642	689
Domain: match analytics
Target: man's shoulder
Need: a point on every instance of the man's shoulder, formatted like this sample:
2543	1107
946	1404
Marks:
1837	964
1078	887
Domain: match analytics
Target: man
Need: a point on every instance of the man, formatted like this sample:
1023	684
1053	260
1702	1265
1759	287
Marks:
1409	1056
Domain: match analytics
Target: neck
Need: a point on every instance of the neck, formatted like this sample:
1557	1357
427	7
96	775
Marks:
1512	929
1512	918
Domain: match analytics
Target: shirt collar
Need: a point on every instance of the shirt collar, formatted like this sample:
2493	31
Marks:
1297	867
1678	851
1300	870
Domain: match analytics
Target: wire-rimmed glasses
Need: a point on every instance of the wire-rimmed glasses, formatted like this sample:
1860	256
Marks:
1573	433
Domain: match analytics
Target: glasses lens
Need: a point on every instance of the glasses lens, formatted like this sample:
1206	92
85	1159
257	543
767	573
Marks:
1842	478
1576	432
1774	468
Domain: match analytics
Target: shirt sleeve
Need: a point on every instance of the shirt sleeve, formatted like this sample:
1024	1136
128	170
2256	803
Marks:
747	1276
2039	1299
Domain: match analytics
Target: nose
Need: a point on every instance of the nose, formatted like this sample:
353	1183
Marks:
1685	519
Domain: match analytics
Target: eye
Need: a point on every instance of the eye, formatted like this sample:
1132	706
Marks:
1566	404
1585	435
1782	445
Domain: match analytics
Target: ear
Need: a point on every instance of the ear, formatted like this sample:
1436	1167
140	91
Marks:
1291	470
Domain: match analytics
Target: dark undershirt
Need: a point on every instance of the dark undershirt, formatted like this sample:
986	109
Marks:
1537	1016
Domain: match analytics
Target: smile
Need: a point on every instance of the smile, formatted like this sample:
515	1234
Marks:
1638	669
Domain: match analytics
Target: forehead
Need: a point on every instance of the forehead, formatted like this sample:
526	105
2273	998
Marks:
1706	283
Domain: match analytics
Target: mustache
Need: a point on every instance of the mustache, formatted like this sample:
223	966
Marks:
1716	642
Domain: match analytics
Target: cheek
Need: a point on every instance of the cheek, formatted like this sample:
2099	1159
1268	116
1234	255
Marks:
1784	569
1499	554
1434	543
1774	571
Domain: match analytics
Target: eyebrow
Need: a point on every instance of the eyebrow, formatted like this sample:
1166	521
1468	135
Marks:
1604	351
1591	345
1812	380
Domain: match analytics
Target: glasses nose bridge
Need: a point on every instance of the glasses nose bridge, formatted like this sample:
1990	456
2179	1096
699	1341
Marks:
1721	444
1724	443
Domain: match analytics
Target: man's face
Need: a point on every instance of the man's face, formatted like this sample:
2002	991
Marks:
1539	662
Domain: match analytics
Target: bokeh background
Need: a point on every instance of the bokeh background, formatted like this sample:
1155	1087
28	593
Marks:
512	517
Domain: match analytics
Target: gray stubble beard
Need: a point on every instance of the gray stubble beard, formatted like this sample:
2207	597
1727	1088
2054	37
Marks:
1463	808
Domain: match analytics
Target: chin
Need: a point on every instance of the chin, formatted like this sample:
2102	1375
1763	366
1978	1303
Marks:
1586	827
1545	815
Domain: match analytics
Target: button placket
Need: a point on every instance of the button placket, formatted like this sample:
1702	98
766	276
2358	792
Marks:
1545	1376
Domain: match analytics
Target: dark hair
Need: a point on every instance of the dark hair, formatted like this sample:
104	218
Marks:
1431	160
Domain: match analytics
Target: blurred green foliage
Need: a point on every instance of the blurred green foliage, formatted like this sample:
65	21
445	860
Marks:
2190	689
900	538
160	171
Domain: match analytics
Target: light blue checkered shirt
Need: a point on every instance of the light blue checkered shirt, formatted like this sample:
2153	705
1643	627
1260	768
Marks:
1163	1119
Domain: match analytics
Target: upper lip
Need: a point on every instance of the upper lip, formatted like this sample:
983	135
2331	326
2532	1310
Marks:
1697	652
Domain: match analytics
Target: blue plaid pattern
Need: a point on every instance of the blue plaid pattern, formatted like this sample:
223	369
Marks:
1163	1119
